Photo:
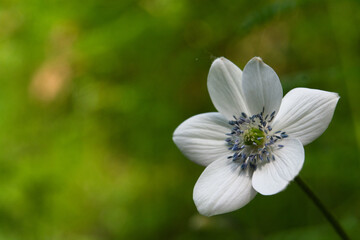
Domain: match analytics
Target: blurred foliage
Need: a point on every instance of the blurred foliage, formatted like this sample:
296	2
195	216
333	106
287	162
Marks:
91	92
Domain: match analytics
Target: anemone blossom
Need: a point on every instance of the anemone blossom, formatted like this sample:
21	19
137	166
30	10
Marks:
255	142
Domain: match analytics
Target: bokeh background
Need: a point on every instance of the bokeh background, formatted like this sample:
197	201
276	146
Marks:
91	92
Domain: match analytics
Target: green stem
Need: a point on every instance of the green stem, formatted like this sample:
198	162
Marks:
335	224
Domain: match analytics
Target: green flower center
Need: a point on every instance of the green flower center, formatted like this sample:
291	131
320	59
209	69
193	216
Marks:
254	136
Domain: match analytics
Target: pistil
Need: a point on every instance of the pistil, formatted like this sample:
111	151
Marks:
254	136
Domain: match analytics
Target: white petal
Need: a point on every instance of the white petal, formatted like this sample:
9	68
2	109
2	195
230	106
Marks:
306	113
224	85
274	176
201	138
261	87
222	188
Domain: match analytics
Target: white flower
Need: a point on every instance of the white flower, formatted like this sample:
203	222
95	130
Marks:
255	142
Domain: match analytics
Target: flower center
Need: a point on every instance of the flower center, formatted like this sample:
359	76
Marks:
254	136
252	140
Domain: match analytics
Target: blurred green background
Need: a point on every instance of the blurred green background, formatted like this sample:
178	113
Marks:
91	92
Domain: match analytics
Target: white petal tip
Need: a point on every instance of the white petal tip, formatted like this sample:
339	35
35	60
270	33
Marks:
257	59
333	95
205	212
269	191
176	133
220	60
268	188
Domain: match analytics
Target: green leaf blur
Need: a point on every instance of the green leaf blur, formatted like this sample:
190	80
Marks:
91	92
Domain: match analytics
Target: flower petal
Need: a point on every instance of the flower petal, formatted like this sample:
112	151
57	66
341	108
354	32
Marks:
201	138
261	87
222	188
274	176
306	113
224	85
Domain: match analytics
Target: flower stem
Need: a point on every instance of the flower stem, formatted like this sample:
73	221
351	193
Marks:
335	224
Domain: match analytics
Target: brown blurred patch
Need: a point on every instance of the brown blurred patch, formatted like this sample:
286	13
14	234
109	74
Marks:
53	77
50	80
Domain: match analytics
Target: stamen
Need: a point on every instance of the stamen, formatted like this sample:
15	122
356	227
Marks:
232	122
283	135
243	166
252	141
253	166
